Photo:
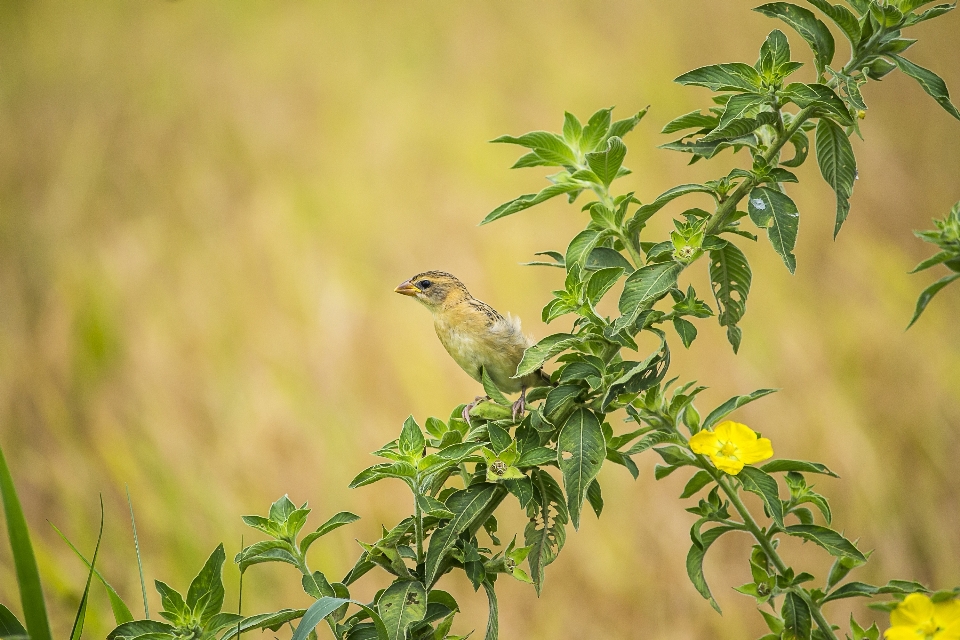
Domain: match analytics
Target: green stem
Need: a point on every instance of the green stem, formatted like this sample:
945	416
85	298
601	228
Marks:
633	250
418	528
721	217
302	565
767	545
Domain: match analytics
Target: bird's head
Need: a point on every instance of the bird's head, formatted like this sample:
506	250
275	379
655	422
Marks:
433	289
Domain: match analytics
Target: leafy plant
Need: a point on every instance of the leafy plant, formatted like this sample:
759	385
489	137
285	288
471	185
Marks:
947	237
460	474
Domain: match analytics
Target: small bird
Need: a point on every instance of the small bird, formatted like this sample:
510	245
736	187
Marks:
475	335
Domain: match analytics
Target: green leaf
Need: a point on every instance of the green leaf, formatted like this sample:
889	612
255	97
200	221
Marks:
686	330
142	628
936	11
852	590
692	120
796	616
81	616
730	279
930	82
646	285
801	147
545	532
262	621
940	258
820	96
621	128
266	551
121	613
837	165
136	546
695	562
317	585
28	577
776	212
646	211
337	521
536	457
639	376
581	450
595	497
490	388
534	357
493	617
756	481
732	76
531	159
323	608
842	17
549	146
581	246
742	105
697	482
411	438
208	587
774	53
833	542
10	627
607	163
809	27
528	200
601	281
604	257
803	466
402	604
731	405
572	129
596	131
467	505
927	295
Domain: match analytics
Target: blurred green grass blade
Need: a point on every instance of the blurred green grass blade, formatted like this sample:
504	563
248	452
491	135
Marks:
121	612
77	630
28	577
10	627
136	545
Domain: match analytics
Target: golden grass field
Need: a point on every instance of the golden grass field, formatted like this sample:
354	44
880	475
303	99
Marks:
205	206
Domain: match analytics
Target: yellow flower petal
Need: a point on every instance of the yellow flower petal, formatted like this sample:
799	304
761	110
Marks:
903	633
761	449
705	443
915	610
951	633
946	613
730	430
727	465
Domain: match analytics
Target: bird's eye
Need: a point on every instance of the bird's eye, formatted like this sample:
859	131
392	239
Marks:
424	284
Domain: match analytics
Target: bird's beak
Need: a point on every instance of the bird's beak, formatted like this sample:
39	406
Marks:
407	289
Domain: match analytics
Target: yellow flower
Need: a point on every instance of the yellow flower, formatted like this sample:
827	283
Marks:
731	445
919	618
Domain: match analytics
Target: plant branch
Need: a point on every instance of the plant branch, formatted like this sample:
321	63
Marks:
767	545
719	219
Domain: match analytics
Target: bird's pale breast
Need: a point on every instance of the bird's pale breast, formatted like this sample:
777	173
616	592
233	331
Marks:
473	341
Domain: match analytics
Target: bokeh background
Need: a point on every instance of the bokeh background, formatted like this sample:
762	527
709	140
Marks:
205	206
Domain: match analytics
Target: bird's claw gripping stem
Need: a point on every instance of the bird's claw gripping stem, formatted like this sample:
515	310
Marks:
468	408
520	406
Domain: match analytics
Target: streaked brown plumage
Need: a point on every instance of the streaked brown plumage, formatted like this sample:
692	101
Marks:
473	333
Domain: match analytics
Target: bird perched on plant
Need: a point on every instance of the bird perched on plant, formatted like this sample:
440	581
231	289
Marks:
475	335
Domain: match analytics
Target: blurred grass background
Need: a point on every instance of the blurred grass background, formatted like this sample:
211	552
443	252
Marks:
204	208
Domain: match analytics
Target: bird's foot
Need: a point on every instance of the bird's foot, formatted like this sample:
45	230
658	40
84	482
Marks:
468	408
520	406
